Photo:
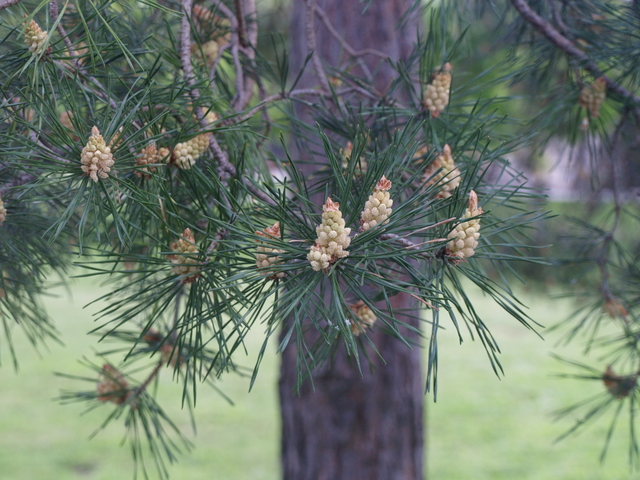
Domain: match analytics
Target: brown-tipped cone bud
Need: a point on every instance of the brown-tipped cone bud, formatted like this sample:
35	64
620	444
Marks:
593	96
436	94
266	256
112	386
615	309
443	172
3	212
617	385
148	156
365	318
333	238
96	157
186	153
185	260
34	37
378	207
464	238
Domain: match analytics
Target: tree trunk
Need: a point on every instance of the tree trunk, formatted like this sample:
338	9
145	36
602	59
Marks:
356	426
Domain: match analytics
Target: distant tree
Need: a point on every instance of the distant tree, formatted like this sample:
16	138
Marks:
345	200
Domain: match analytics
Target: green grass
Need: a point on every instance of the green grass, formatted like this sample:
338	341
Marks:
480	428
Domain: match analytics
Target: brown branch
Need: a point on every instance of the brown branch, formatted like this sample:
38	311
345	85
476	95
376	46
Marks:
7	3
570	49
350	50
313	47
242	26
143	386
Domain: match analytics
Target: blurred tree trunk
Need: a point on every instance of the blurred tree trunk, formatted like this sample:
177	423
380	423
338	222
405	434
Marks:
356	426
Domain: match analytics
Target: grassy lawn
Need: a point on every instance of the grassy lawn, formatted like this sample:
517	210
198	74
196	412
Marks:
480	428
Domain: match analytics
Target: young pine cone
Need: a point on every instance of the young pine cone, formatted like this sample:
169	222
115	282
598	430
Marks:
3	212
186	259
444	173
464	238
365	317
96	157
265	253
436	94
617	385
333	238
112	386
34	37
148	156
186	153
378	207
592	96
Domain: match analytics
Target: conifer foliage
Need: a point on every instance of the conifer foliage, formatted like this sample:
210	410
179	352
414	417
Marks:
140	139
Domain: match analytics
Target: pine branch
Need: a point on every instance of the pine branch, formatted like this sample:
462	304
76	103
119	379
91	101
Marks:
313	47
570	49
7	3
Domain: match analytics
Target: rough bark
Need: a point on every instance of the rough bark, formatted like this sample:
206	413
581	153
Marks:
370	425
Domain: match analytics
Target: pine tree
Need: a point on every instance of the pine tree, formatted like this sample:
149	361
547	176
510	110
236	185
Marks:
141	138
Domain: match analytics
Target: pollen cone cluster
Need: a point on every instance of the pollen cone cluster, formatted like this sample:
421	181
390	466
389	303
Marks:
96	157
436	94
592	96
34	37
378	207
112	386
185	260
365	317
266	255
617	385
464	238
186	153
444	173
148	156
3	212
333	238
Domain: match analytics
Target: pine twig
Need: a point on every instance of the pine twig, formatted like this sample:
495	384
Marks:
225	169
7	3
313	47
564	44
